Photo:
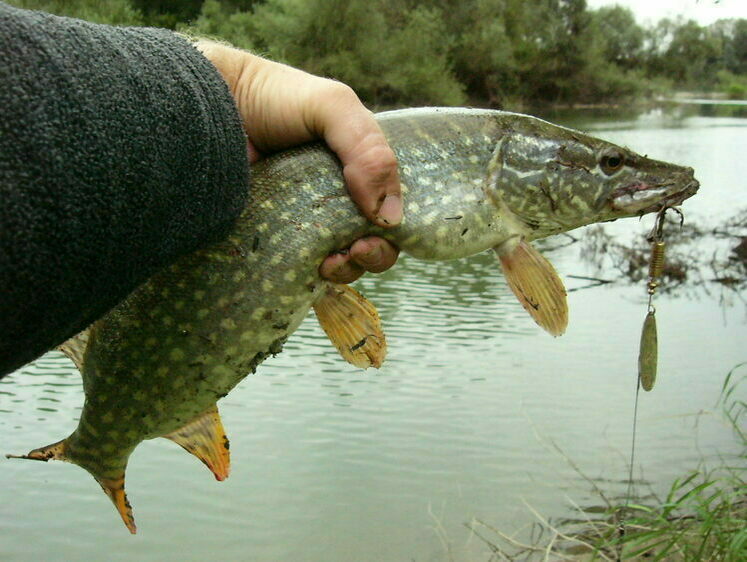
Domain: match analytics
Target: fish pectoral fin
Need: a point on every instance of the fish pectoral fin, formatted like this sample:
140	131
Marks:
114	488
352	324
206	439
75	348
536	284
55	451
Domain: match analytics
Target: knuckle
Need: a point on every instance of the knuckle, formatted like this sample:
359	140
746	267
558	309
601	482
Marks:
340	91
379	162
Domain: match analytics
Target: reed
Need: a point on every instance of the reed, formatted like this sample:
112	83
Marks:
702	517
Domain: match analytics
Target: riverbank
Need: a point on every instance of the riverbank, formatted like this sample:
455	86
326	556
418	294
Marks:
702	517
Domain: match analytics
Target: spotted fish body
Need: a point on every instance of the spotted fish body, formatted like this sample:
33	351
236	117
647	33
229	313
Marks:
472	180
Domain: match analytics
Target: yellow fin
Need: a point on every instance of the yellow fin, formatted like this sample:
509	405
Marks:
206	439
352	325
114	488
536	284
75	348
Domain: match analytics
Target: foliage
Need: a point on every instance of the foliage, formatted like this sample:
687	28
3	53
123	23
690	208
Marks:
487	52
385	61
216	21
733	85
113	12
167	13
702	517
735	51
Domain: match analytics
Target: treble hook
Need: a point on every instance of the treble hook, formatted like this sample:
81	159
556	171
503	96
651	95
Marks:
657	232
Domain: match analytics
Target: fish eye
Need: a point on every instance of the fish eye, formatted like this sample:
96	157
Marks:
611	162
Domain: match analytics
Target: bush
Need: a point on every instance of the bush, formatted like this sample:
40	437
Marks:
733	85
113	12
385	61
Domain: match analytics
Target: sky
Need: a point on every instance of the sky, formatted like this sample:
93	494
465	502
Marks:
702	11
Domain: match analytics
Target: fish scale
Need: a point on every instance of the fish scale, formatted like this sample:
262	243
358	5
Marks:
472	180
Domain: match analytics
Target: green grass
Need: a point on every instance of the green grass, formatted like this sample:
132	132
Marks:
702	517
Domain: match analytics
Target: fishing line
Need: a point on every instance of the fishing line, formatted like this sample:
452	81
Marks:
648	351
629	492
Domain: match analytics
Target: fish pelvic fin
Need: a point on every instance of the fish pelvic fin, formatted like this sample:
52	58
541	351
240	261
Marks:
206	439
536	284
352	324
75	348
114	488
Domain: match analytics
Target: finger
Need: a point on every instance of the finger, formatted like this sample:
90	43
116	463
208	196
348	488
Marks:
369	164
282	106
373	254
252	152
339	268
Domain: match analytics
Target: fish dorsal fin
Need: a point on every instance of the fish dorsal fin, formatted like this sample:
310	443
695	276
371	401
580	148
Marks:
536	284
114	488
352	325
75	348
206	439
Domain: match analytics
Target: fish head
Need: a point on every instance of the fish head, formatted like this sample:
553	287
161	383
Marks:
553	179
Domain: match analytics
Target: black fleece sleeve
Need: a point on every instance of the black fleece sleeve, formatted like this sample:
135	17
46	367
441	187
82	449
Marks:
120	149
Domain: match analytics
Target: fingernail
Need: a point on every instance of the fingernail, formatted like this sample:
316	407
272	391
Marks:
390	212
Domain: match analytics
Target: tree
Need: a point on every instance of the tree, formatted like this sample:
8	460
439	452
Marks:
167	13
114	12
618	36
387	57
735	51
692	56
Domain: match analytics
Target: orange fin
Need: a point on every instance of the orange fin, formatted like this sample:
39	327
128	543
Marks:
536	284
206	439
55	451
114	488
75	348
352	325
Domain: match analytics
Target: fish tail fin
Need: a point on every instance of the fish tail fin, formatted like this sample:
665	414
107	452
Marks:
352	324
536	284
205	438
113	487
55	451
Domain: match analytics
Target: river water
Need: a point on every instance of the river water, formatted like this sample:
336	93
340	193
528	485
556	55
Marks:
475	417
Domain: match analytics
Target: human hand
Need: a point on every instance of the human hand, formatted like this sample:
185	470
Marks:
281	106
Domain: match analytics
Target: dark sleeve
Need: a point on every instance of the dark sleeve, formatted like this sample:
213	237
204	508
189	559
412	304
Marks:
120	149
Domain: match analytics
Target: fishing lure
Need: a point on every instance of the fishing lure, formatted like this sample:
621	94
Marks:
649	346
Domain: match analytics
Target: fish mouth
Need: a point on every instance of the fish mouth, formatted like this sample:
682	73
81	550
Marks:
641	198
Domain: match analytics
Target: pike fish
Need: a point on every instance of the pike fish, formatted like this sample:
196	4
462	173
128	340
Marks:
472	180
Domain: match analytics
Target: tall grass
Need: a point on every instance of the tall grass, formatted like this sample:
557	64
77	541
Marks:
702	517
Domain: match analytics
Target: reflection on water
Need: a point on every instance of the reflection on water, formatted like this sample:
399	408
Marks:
463	422
701	260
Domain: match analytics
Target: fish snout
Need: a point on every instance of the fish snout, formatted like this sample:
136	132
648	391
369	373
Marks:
653	194
691	185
